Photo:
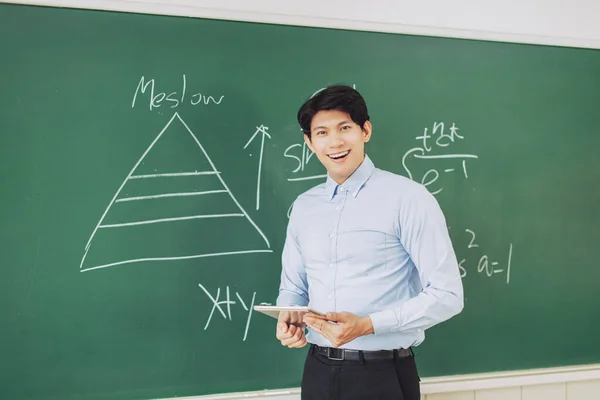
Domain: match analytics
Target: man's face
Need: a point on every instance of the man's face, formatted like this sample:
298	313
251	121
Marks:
338	142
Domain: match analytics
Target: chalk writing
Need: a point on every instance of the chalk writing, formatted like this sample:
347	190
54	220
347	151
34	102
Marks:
173	99
484	264
302	154
217	305
212	172
438	138
263	131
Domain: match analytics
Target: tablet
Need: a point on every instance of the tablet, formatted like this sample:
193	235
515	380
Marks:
273	311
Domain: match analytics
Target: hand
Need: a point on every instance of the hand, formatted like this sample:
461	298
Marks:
342	327
290	330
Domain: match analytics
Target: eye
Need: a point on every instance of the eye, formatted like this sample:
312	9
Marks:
321	133
345	127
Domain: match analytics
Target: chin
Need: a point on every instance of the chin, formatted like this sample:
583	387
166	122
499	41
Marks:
340	177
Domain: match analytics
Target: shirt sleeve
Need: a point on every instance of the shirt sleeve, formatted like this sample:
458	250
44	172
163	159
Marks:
293	289
423	233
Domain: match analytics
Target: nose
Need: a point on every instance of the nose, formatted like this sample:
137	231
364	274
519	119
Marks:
337	140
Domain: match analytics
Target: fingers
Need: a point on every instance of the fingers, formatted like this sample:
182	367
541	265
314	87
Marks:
332	316
292	318
282	326
285	331
329	317
339	328
335	333
284	316
313	322
301	343
295	342
295	317
338	339
316	324
289	333
294	338
290	330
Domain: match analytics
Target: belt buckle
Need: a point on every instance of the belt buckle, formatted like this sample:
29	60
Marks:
341	351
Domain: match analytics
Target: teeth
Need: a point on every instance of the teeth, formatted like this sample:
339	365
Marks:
339	155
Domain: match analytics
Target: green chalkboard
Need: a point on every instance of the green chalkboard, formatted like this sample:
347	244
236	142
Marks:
147	165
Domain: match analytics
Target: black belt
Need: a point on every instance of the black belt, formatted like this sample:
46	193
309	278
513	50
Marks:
336	354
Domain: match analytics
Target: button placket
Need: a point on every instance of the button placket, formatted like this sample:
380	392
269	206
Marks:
333	242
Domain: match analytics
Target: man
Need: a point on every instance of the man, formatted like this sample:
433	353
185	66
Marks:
369	248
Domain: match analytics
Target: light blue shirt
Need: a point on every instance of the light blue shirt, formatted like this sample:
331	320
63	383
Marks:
376	245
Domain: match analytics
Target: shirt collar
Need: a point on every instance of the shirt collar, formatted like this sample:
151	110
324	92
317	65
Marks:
354	183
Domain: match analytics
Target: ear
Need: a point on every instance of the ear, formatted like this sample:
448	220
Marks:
367	130
308	142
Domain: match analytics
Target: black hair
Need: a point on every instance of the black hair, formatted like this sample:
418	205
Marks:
336	97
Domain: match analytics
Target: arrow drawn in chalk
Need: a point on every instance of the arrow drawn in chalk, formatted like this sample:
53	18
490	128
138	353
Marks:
263	131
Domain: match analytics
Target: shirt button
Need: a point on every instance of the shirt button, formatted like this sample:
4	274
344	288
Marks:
330	296
338	208
342	188
331	265
332	236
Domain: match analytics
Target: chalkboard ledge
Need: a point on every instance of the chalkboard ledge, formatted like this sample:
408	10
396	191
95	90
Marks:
447	384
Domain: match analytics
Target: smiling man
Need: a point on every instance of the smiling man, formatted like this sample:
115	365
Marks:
369	248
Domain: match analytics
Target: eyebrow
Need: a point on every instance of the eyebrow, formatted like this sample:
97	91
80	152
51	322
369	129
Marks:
324	127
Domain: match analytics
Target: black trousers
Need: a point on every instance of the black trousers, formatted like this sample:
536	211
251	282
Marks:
326	379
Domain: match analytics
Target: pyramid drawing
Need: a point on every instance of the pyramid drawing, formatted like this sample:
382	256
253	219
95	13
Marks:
173	205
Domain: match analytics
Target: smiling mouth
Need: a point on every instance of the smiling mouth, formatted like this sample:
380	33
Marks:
341	156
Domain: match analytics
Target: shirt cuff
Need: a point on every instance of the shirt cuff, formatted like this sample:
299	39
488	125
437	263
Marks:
384	322
291	299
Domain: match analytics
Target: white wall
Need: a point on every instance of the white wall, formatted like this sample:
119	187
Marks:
559	22
553	18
